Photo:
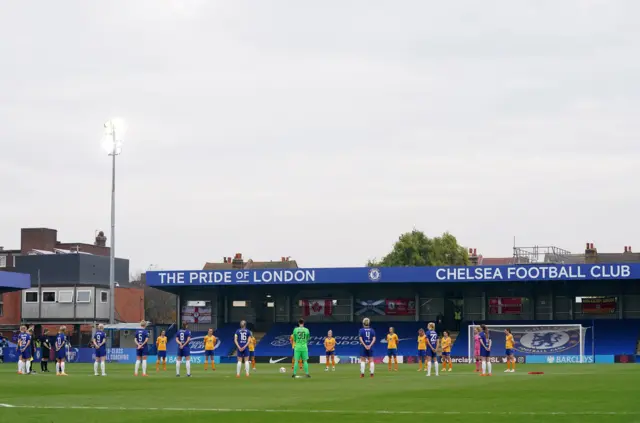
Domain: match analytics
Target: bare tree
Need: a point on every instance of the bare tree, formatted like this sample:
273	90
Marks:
159	306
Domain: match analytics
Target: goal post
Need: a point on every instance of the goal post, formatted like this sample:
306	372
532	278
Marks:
542	340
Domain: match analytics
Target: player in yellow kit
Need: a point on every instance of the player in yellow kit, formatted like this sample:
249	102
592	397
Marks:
422	350
293	347
252	352
161	345
446	350
508	346
209	348
392	348
330	351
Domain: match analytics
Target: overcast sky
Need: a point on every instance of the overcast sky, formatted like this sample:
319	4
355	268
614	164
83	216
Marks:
321	130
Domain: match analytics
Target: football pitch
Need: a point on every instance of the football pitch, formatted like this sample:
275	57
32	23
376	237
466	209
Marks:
565	393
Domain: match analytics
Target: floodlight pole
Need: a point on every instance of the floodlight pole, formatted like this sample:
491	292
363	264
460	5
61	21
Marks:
112	249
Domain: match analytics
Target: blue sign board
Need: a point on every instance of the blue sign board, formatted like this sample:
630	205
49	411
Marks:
517	273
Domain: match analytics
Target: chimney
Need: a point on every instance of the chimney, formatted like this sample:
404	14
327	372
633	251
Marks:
590	254
237	262
224	259
283	258
473	256
101	240
627	249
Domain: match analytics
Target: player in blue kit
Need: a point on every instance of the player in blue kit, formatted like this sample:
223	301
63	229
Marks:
142	348
367	338
24	349
241	339
485	351
60	347
432	348
183	337
99	343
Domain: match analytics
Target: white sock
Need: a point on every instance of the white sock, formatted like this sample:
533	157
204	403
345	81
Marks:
95	367
362	367
188	366
484	367
20	366
178	367
372	367
62	367
28	363
429	368
436	366
489	367
137	366
102	367
144	367
57	367
238	368
246	366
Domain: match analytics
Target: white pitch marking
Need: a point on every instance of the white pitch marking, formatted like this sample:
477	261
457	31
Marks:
365	412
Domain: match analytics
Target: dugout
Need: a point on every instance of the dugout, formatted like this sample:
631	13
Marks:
526	292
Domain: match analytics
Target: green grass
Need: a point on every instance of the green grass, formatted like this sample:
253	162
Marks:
565	393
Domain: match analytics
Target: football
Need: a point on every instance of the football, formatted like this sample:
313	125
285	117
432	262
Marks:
283	370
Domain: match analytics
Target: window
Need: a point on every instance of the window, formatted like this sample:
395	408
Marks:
241	303
271	304
48	296
83	296
31	297
104	297
3	261
65	296
15	260
1	304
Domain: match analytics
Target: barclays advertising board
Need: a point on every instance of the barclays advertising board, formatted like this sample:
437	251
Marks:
517	273
569	359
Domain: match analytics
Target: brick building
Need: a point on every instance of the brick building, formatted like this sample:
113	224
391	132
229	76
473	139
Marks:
69	284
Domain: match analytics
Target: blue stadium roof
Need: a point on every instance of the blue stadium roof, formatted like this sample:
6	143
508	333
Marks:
10	281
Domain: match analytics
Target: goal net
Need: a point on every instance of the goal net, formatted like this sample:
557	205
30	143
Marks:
542	340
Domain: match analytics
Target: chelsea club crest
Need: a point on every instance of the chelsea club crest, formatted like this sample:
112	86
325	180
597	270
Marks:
374	275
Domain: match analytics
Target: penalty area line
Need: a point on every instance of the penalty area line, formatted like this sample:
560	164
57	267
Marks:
359	412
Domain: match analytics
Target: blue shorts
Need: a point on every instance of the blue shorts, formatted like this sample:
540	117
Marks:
26	354
184	352
508	351
431	353
485	353
101	352
144	351
392	352
330	353
208	353
243	353
446	354
162	354
252	354
422	353
61	354
366	352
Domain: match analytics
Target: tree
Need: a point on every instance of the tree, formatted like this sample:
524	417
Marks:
416	249
159	306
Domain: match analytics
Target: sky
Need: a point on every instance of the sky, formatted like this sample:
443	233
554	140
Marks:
321	130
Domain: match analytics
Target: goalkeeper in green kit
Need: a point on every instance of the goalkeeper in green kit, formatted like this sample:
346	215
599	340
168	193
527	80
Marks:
301	350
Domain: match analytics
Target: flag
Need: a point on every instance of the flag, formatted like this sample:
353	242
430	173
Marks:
196	314
400	307
371	306
317	307
505	305
599	305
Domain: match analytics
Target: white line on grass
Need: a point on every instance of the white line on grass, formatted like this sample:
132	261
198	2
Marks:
366	412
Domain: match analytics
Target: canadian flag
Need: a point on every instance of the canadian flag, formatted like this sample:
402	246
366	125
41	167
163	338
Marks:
317	307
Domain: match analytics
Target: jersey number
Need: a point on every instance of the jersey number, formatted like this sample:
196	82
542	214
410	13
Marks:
434	338
181	336
243	337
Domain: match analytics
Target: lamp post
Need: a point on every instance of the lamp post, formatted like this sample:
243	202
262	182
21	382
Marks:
112	143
